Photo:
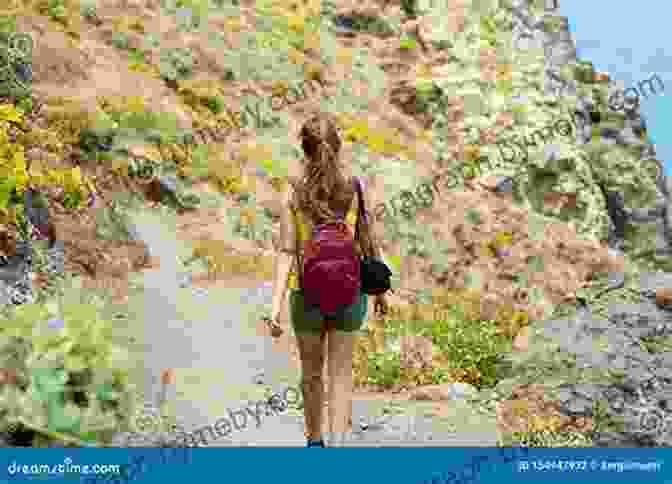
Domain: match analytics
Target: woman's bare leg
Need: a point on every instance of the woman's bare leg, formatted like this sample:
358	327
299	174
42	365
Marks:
341	346
311	351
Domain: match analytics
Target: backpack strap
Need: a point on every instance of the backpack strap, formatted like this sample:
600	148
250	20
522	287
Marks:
361	215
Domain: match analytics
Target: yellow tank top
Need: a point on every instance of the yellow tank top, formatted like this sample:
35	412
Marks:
304	227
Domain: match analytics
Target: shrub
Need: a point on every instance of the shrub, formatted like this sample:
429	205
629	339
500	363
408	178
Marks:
384	142
224	174
488	31
7	26
410	7
218	259
25	104
215	104
251	222
176	64
70	379
202	93
128	22
364	23
190	13
88	9
383	368
16	59
187	19
112	222
56	9
91	140
15	176
128	117
120	40
472	349
67	117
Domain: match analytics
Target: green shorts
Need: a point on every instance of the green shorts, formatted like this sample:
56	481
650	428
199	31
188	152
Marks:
307	319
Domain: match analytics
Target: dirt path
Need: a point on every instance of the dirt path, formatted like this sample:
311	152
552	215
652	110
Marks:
210	334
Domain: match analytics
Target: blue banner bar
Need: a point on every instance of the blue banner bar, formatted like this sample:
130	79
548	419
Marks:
337	466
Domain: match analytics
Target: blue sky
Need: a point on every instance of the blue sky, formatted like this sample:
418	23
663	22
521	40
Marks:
628	40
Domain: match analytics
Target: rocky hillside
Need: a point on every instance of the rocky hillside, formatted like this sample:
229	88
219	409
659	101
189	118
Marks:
193	107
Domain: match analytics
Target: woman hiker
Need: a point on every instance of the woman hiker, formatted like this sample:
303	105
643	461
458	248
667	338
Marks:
326	301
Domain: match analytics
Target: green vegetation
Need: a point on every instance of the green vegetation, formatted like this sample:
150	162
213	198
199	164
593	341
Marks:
70	375
656	344
370	24
250	221
470	349
16	61
56	9
176	64
72	372
410	7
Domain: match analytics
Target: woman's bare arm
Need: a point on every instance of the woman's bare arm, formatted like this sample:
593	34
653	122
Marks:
284	257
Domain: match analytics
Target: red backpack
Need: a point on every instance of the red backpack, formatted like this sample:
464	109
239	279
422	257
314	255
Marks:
330	271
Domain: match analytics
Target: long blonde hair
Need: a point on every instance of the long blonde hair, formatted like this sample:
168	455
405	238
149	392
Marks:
324	191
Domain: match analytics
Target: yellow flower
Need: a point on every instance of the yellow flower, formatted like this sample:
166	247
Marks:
279	87
297	23
423	71
248	216
377	143
312	7
21	184
296	57
234	24
343	55
472	152
90	186
503	72
135	104
55	177
311	40
484	250
73	178
139	67
9	113
120	166
254	152
37	179
343	120
503	239
21	176
18	158
357	132
521	318
77	175
278	183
